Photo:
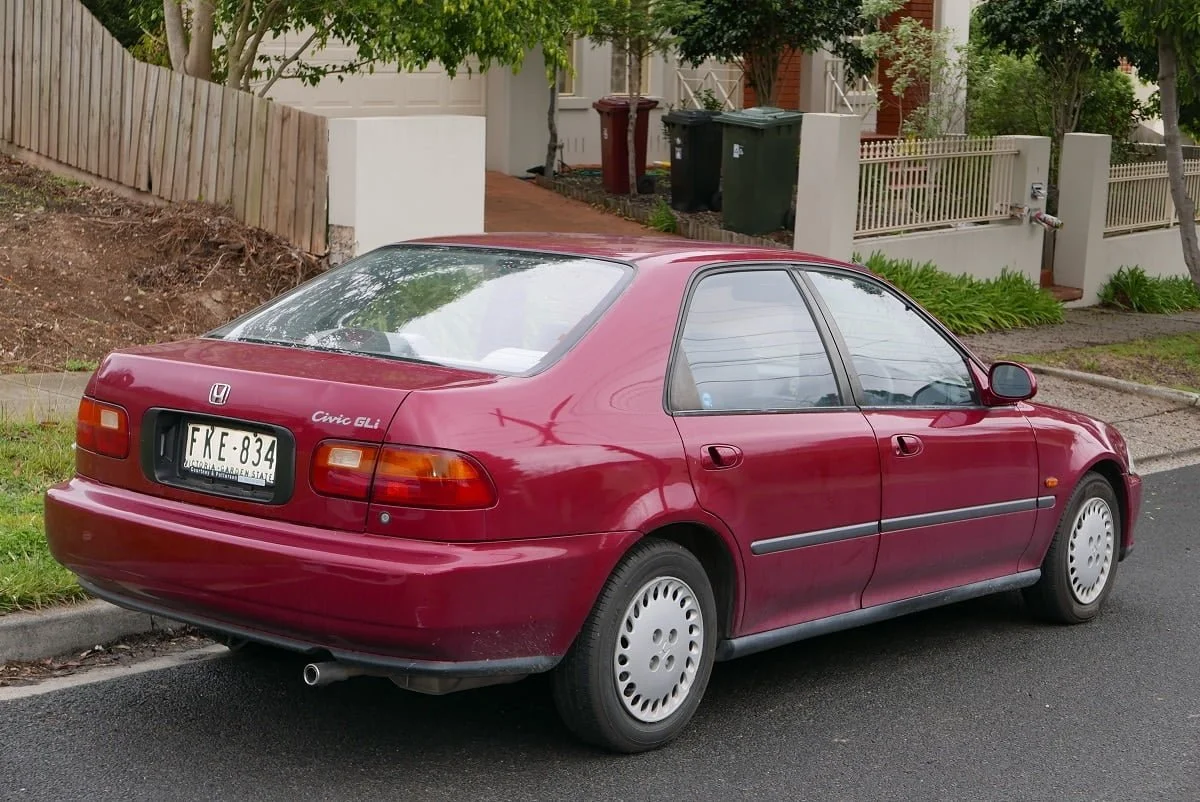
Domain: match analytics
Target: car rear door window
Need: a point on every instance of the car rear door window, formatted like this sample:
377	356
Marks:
900	359
749	343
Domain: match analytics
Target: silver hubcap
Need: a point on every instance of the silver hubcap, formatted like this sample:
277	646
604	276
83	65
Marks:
1090	550
658	649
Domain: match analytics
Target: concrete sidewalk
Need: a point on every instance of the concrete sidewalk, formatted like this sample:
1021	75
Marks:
41	396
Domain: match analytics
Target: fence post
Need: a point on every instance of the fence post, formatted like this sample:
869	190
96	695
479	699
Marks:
1083	207
399	178
827	185
1032	166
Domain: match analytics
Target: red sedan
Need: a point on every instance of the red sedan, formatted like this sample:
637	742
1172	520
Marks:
459	462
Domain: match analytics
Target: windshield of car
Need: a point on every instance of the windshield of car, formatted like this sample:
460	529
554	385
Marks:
492	310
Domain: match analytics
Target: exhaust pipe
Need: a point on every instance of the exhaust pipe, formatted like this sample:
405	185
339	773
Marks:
318	674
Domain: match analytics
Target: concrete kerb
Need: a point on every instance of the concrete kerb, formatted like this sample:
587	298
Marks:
1181	397
41	634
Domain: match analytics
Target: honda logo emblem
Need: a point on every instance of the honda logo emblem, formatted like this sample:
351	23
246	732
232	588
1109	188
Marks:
219	394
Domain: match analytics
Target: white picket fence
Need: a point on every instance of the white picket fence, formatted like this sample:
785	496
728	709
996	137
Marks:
1139	196
912	185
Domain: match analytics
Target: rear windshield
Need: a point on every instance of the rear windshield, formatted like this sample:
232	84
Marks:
490	310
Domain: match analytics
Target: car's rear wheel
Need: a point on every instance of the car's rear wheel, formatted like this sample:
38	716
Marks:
638	670
1081	564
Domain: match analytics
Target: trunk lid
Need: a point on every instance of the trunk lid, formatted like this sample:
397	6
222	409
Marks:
234	425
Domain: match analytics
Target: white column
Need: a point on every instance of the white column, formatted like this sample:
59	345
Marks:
827	185
517	131
1083	207
1032	166
398	178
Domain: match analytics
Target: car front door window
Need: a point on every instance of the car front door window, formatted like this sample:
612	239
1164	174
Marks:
900	359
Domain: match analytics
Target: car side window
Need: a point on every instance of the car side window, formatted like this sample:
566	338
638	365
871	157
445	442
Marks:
749	343
900	359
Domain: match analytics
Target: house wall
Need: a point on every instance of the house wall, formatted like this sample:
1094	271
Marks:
579	123
387	92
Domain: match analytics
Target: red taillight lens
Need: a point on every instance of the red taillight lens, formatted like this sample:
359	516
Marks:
344	469
102	429
422	477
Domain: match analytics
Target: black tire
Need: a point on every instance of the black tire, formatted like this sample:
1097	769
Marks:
585	683
1053	597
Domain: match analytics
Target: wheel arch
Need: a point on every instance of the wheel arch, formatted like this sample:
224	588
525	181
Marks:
1109	468
718	560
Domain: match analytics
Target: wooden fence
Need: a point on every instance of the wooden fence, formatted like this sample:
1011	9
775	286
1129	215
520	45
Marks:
70	92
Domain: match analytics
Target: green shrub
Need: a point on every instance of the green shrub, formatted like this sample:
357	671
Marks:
1131	289
1007	96
967	305
662	218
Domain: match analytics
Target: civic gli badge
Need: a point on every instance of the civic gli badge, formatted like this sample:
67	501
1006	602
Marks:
219	394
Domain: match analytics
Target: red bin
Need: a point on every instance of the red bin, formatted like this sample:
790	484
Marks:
614	144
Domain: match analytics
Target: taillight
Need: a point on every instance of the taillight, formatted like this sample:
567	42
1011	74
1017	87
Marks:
401	476
344	469
424	477
102	429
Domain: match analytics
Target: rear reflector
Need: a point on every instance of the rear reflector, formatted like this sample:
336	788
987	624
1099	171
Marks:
344	469
102	429
422	477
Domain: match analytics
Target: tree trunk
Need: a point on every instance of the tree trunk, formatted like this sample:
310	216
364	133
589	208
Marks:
762	70
200	50
634	71
552	125
177	39
1185	207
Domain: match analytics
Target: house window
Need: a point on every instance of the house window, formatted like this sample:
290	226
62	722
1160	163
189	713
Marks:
620	77
567	77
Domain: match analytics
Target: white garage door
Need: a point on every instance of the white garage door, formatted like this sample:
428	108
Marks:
386	92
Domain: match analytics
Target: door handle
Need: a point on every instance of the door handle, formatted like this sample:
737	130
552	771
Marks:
720	457
907	445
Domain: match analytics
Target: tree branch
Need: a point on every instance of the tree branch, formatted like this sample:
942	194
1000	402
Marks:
248	56
289	61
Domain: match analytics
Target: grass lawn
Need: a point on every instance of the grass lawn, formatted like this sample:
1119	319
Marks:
32	457
1167	361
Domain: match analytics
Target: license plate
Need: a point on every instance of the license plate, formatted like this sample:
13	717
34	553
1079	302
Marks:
234	455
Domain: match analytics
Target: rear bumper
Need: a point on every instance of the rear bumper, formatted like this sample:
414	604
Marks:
451	609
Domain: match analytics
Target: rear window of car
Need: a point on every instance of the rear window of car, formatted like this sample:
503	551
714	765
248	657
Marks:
510	312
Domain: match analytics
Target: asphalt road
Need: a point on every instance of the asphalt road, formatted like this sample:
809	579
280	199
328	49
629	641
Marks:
970	702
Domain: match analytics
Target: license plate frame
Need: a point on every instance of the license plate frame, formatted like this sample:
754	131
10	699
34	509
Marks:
228	453
162	448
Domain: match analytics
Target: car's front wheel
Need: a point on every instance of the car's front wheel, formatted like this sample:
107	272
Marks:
638	670
1081	564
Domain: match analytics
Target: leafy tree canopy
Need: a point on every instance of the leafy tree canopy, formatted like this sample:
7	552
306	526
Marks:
221	39
758	34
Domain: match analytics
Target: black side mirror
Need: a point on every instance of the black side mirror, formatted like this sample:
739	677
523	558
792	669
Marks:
1010	382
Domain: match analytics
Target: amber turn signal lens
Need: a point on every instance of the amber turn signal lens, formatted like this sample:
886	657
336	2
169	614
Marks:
102	429
430	478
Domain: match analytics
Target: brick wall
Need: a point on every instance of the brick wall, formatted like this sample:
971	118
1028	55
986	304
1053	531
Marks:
787	83
888	119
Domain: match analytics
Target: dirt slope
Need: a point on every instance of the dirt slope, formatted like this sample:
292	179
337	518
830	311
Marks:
83	272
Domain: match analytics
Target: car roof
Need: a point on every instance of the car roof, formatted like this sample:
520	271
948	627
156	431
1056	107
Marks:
642	250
